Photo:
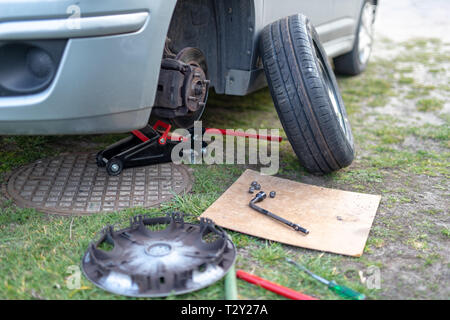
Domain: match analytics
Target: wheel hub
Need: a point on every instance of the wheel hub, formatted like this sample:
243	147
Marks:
195	89
365	35
182	88
332	95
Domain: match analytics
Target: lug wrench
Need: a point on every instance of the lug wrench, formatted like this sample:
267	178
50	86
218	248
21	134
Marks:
260	196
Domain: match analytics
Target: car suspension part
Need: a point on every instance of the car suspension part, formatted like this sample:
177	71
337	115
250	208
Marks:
182	87
143	147
152	145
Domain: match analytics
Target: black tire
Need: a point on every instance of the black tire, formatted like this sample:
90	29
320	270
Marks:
303	85
350	64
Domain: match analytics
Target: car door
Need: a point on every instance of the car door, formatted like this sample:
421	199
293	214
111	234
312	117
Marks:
346	15
319	12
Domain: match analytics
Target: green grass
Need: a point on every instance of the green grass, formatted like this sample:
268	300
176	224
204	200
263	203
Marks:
419	90
374	91
36	250
406	80
429	104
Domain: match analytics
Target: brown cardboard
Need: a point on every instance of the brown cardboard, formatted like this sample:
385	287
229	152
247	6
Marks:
338	221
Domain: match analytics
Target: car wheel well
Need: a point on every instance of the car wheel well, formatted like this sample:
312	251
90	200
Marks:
223	30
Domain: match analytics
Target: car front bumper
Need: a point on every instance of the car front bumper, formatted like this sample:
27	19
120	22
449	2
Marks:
107	76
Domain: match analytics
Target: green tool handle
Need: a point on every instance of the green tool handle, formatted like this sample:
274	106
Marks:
231	285
231	292
345	292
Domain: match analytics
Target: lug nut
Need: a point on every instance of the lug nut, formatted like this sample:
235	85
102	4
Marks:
256	185
272	194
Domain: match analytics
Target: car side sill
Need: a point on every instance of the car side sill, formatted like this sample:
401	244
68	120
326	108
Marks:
339	46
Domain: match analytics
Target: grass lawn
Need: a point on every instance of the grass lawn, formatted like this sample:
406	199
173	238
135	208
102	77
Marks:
399	111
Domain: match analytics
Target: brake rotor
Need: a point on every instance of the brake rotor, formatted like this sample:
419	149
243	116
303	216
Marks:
146	262
196	87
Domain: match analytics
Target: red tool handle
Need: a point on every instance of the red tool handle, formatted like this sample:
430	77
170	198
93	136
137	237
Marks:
282	291
159	124
167	128
227	132
140	135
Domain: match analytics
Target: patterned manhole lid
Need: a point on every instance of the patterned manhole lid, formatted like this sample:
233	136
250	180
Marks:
73	184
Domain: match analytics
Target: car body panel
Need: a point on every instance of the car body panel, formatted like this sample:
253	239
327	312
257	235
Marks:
103	84
334	20
77	27
107	78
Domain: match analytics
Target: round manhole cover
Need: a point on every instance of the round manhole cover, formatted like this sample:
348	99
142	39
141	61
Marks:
73	184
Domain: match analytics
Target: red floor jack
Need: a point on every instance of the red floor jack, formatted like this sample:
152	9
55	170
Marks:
152	145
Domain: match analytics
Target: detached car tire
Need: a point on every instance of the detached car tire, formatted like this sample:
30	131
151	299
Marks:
306	95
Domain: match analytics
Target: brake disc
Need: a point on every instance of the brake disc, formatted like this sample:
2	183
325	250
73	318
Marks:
146	262
197	87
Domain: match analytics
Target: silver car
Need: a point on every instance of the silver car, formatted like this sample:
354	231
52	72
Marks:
81	67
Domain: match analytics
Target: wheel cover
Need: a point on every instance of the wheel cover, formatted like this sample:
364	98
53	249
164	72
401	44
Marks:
365	34
147	262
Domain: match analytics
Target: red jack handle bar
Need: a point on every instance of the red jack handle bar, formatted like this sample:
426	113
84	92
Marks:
166	135
227	132
276	288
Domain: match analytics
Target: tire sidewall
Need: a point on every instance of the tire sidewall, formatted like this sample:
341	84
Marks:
315	43
306	95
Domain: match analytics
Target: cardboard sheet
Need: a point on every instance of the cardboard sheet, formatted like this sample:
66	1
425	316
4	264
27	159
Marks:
338	221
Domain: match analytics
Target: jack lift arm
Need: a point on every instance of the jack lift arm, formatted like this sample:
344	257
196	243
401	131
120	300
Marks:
143	147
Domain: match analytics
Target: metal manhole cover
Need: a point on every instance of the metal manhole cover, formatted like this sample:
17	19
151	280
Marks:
73	184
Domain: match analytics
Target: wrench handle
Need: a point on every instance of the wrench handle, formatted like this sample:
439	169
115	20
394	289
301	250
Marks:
294	226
